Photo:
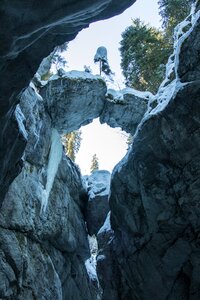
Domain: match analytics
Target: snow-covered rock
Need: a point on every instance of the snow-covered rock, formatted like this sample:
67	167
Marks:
125	108
43	235
28	33
74	99
98	188
154	200
107	271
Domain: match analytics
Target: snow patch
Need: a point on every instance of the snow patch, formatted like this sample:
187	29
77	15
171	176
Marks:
55	156
118	96
20	121
106	226
169	88
76	75
98	183
91	262
32	85
91	269
101	257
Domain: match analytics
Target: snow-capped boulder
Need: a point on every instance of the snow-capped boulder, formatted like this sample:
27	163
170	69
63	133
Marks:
74	99
125	108
98	188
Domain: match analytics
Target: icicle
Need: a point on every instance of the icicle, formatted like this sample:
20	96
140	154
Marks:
52	168
21	120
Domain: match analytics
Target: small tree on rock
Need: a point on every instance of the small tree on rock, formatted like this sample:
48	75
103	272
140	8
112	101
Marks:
101	57
94	163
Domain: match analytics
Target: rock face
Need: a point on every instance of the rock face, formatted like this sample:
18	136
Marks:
45	216
68	111
107	268
43	251
125	109
98	188
25	29
155	191
149	244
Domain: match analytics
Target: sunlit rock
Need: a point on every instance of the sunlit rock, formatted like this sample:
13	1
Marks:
74	99
29	32
125	109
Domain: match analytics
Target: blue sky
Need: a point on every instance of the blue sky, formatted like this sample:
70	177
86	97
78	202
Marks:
107	143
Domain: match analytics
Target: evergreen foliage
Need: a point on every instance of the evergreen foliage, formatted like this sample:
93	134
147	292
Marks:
94	163
57	58
145	49
47	75
72	143
173	12
144	54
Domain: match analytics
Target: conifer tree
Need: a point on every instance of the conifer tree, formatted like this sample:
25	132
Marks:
72	143
145	49
101	57
144	54
94	163
172	13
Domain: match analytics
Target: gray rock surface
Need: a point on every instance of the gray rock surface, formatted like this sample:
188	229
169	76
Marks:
25	28
107	268
125	109
151	249
74	99
43	252
98	188
189	69
155	195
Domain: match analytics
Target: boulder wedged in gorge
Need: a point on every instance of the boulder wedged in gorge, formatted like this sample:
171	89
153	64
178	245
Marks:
125	109
29	32
74	99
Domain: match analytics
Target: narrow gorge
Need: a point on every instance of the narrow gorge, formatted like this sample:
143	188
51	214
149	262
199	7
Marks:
130	235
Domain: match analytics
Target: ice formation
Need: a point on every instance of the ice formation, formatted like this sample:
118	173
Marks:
55	156
20	121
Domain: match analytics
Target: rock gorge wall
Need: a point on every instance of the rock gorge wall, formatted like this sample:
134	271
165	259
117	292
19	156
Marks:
29	32
43	245
47	212
151	248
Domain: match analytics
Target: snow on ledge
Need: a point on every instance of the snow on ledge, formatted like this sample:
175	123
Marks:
98	183
106	226
118	96
20	121
76	75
